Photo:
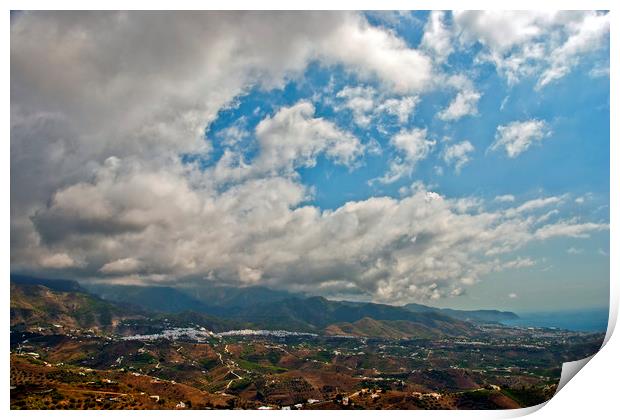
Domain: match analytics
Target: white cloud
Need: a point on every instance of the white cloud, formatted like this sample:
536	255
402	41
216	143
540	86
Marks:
412	146
513	295
458	154
89	85
466	100
361	101
365	104
465	103
437	38
293	137
541	44
573	251
374	52
502	30
588	35
517	136
506	198
538	203
413	143
58	261
569	229
402	108
122	266
423	245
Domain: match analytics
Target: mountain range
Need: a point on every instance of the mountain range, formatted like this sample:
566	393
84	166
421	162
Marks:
66	302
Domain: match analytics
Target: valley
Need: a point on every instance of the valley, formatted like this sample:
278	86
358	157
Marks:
65	355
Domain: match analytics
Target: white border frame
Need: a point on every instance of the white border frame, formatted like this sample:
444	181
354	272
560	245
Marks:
592	395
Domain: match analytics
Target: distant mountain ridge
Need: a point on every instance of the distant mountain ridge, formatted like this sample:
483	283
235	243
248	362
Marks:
151	298
233	301
481	315
262	307
215	300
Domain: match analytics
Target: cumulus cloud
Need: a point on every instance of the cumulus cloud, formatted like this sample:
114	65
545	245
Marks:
412	146
516	137
458	154
391	250
375	52
104	104
413	143
293	137
502	30
437	38
546	45
143	86
361	101
58	261
89	85
465	103
402	108
365	103
466	100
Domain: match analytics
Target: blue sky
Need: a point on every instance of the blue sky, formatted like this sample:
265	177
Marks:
438	119
574	159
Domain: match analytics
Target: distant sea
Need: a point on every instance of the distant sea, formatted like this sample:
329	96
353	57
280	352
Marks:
587	320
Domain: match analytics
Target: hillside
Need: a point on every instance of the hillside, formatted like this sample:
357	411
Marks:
368	327
317	313
35	305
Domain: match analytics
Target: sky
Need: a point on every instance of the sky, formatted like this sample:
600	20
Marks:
458	159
